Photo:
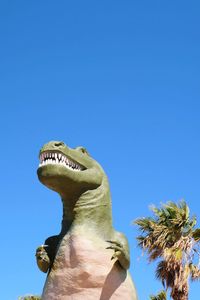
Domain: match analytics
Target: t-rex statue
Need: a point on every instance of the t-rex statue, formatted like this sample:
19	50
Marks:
88	260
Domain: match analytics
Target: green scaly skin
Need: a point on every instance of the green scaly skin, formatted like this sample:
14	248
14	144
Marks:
86	204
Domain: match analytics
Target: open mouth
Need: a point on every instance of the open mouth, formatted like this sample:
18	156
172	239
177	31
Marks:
58	158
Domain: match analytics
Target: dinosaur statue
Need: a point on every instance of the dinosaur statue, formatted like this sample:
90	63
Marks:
88	260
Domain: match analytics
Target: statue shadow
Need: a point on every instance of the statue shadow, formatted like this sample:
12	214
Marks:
114	279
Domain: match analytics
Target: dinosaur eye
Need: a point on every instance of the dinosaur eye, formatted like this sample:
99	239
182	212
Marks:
83	150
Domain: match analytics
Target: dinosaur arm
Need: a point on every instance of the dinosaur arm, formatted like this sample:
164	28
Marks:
45	254
121	249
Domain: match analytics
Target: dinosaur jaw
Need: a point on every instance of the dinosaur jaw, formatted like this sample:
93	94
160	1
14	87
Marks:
58	158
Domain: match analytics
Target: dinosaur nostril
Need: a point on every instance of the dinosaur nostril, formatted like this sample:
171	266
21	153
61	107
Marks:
58	144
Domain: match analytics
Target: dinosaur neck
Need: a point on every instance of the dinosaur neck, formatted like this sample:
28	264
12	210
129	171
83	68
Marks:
92	210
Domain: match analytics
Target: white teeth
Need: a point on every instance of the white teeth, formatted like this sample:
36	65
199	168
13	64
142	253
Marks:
58	158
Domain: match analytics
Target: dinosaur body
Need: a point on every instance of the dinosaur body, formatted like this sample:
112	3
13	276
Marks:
88	259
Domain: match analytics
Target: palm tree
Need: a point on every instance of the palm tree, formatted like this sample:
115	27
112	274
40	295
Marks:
31	297
171	237
160	296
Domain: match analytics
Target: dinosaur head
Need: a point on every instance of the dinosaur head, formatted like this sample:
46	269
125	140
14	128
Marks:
68	171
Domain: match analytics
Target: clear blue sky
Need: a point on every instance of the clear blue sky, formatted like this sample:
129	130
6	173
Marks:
121	78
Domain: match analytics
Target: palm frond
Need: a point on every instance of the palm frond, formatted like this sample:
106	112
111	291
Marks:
194	271
196	234
160	296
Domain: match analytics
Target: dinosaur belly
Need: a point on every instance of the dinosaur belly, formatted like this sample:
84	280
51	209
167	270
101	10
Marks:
83	269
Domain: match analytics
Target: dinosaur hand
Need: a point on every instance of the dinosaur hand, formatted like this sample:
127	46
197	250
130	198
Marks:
120	253
42	258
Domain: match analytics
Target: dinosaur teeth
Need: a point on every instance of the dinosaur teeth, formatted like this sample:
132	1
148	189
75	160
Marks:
59	159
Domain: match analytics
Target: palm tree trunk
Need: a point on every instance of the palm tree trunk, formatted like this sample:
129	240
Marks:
182	294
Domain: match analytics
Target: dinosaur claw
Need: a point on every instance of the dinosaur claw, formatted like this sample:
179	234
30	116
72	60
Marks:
115	243
110	247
